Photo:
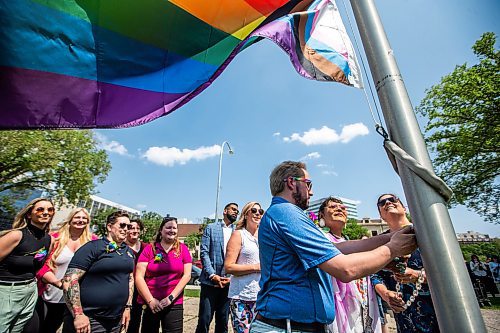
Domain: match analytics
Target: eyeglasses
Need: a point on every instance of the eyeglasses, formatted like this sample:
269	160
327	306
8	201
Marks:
382	202
305	180
125	225
41	210
255	211
337	205
234	210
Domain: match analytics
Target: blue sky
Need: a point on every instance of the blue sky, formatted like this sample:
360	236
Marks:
268	113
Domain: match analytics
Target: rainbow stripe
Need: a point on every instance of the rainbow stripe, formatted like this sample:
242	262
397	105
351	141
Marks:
120	63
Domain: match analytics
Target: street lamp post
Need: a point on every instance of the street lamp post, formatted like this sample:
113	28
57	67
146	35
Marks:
219	176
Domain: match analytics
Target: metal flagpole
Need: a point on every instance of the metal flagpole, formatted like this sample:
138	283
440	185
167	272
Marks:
453	296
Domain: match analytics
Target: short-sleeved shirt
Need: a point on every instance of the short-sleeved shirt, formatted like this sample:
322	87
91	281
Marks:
162	276
104	288
291	247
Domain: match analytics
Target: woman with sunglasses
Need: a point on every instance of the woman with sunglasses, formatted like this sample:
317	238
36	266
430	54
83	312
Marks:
73	233
99	283
23	250
162	272
356	307
242	261
412	314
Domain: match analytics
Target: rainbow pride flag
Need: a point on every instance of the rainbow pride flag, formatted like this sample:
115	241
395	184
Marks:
121	63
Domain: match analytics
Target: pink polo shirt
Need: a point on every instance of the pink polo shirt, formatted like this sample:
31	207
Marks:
162	277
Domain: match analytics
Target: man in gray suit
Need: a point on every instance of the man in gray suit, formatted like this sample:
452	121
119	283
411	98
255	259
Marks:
214	283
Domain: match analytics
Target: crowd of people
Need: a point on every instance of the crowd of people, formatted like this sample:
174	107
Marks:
268	271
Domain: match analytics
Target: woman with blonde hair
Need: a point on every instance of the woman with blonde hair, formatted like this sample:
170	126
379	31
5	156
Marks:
22	253
73	233
163	270
242	261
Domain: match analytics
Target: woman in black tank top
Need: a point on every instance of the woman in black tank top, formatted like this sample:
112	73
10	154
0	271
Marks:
23	250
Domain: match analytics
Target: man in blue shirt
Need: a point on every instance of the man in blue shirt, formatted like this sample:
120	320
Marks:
296	258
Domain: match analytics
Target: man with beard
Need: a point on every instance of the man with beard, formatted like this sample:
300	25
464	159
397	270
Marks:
214	283
296	258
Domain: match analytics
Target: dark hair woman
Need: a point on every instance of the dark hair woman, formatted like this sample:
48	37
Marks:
22	253
99	282
162	272
137	245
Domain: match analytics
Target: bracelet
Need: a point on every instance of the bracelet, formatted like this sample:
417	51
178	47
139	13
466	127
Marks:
128	306
151	300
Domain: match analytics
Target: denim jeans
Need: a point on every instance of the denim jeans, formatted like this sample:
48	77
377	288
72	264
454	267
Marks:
260	327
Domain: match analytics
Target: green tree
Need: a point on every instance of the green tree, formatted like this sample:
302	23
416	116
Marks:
151	222
98	221
354	231
482	250
192	240
66	164
463	130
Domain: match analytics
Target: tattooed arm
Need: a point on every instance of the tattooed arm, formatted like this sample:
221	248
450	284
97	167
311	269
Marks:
126	312
71	291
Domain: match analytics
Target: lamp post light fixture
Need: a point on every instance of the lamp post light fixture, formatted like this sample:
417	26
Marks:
218	178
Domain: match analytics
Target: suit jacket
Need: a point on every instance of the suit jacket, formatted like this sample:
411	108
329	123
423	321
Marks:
212	252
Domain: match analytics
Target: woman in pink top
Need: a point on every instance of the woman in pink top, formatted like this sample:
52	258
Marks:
162	272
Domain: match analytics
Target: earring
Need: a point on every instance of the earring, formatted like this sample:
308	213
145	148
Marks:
322	223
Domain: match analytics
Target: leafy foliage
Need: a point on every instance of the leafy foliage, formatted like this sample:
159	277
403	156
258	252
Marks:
354	231
192	240
66	164
482	250
151	222
98	221
463	130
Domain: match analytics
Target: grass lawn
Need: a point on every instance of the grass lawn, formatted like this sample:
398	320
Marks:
192	292
495	303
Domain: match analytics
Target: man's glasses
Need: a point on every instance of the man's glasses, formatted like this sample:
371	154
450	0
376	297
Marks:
382	202
125	225
255	211
41	210
308	182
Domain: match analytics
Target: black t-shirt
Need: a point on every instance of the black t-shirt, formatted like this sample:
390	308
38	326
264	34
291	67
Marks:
105	285
27	257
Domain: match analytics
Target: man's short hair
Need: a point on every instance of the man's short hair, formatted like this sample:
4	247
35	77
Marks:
230	204
111	219
283	171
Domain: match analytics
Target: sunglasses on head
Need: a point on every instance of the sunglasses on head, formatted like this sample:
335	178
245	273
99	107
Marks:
382	202
255	211
41	210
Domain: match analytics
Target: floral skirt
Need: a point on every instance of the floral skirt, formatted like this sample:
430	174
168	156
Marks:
242	314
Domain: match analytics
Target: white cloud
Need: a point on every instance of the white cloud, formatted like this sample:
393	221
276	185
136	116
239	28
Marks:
329	173
277	134
349	132
141	206
111	146
169	156
184	220
321	165
311	156
326	135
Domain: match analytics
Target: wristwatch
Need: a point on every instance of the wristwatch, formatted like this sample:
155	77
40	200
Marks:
171	298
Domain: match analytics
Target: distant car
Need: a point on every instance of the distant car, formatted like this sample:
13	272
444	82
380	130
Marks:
195	276
198	264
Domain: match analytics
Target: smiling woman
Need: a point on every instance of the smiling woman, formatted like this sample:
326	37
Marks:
22	252
104	297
